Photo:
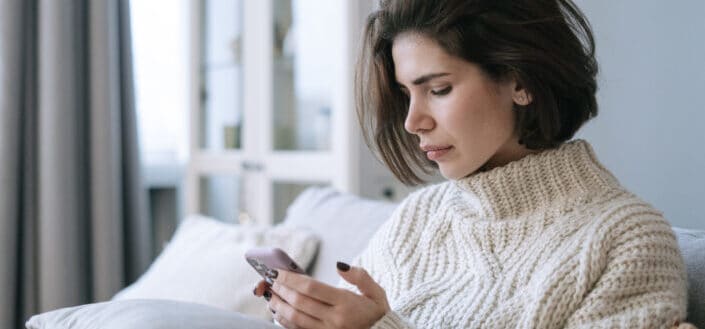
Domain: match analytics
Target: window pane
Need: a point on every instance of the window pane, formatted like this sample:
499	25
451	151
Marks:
305	68
285	193
221	70
220	197
160	62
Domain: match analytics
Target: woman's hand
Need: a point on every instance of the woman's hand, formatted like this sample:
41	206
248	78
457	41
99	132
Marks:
299	301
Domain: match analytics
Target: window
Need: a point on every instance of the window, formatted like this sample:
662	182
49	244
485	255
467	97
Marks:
160	39
160	44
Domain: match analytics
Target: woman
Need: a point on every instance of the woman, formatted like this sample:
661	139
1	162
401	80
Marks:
530	230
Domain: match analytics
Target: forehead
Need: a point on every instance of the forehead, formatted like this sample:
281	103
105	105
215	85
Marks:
415	55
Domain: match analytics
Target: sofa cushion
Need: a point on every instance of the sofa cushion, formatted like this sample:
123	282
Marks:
144	314
344	223
692	245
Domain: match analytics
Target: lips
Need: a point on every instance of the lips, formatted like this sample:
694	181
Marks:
427	148
435	152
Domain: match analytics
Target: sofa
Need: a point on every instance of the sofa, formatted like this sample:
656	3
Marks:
192	283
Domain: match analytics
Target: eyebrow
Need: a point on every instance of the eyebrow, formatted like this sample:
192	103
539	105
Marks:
426	78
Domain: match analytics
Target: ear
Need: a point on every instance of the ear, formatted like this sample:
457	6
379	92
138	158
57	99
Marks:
520	95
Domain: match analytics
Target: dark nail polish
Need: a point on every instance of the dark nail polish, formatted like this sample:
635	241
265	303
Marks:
342	266
254	291
267	295
273	311
275	273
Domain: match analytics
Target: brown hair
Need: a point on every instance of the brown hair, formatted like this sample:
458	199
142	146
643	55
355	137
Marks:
546	45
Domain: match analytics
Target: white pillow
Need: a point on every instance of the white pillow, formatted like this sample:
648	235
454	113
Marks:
344	222
205	263
144	314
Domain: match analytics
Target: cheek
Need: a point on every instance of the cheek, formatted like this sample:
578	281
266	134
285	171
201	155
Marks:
479	127
467	118
506	117
497	115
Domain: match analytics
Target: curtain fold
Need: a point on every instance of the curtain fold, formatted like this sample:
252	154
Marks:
73	223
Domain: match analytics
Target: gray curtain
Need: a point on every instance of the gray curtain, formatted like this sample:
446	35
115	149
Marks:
73	223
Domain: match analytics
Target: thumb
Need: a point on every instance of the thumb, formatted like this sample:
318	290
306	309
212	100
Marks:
358	277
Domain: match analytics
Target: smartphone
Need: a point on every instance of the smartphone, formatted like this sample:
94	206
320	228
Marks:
266	260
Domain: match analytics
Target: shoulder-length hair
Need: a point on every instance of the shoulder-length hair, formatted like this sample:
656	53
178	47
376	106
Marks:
546	45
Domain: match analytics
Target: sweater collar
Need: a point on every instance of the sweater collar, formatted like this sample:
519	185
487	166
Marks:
541	181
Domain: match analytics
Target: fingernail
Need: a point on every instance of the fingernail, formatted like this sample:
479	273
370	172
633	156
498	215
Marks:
275	273
254	291
342	266
267	295
273	311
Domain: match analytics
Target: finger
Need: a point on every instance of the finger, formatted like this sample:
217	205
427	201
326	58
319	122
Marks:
311	306
260	287
285	323
308	286
285	313
363	281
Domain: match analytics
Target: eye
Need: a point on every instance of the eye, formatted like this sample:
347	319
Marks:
441	92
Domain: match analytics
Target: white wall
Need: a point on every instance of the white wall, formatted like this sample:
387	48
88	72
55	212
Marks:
649	131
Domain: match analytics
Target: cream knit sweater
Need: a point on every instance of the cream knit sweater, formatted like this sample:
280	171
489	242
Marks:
548	241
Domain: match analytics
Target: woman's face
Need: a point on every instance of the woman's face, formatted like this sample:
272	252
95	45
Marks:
464	120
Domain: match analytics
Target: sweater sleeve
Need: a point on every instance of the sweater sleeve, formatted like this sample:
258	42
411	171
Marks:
392	320
642	283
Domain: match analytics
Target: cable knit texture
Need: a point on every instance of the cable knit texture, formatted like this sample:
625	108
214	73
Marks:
549	241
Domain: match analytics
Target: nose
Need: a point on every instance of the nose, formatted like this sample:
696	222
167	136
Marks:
418	119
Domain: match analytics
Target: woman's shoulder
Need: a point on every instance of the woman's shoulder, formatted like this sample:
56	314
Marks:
624	215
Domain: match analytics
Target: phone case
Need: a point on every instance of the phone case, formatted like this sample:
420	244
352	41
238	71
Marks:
266	260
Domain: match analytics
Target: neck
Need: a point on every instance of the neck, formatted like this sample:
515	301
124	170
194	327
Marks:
509	152
537	182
